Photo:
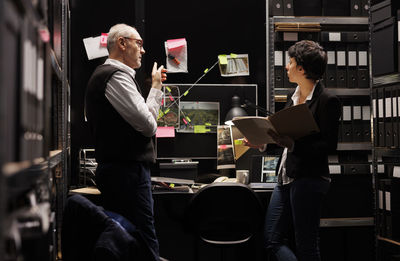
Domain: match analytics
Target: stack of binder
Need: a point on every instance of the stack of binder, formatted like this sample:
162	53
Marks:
355	121
31	97
347	59
389	207
385	103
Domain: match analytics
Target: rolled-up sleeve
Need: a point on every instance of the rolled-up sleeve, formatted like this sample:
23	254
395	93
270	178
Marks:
122	93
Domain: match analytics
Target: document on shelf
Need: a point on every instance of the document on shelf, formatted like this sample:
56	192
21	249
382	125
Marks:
295	122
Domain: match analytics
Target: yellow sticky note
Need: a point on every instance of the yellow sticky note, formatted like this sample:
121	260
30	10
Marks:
185	93
223	59
233	55
200	129
238	142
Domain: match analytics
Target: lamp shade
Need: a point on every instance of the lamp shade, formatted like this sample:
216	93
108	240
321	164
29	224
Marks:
235	111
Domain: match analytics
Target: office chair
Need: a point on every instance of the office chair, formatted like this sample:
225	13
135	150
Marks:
224	214
90	233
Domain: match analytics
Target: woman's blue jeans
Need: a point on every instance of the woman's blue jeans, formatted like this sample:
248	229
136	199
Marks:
296	205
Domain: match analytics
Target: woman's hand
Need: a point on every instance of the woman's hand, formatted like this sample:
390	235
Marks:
248	144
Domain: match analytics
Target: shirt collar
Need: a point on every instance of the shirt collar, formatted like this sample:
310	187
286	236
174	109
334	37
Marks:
296	94
121	66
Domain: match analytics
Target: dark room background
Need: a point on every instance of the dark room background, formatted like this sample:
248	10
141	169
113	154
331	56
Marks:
210	28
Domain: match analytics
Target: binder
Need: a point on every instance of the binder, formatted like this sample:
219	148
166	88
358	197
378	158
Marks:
381	199
352	76
278	69
356	37
374	104
398	39
341	69
288	8
366	123
347	128
355	8
387	207
276	7
388	118
358	132
395	116
364	8
278	61
380	118
362	71
356	168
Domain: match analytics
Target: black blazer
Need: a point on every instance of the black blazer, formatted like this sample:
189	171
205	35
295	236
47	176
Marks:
309	157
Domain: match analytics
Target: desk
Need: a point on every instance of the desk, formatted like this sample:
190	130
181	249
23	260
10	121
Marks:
342	237
176	243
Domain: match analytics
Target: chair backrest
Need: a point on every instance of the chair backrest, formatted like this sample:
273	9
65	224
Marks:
225	213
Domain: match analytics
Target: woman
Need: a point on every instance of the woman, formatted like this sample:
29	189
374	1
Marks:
303	173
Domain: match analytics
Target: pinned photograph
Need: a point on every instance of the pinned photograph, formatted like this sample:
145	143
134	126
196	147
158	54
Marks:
234	65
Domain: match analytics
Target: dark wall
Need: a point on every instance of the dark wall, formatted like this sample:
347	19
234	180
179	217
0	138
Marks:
210	28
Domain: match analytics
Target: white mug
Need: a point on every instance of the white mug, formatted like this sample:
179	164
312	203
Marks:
242	176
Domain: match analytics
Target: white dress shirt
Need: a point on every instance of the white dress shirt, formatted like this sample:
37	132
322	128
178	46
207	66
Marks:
123	94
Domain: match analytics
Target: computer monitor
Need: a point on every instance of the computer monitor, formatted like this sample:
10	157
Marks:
189	145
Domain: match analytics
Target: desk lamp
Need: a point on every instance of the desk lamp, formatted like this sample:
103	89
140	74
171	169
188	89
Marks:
235	111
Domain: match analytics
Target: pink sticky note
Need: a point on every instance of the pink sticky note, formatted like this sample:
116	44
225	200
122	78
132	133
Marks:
176	43
165	132
103	39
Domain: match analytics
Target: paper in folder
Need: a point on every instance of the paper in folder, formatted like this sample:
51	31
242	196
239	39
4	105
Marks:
295	122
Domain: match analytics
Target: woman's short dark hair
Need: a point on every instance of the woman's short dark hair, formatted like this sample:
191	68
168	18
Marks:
311	56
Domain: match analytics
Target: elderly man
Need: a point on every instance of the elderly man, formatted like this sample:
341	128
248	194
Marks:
123	123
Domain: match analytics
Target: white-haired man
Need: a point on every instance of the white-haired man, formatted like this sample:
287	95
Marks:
123	123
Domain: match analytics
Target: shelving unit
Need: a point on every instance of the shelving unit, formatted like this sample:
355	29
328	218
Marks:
34	102
385	183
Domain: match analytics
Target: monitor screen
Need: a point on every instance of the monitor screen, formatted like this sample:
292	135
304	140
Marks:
269	164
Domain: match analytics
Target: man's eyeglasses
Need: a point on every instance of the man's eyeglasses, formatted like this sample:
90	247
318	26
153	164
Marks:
138	42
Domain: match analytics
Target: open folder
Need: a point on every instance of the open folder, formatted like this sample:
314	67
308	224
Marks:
295	122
